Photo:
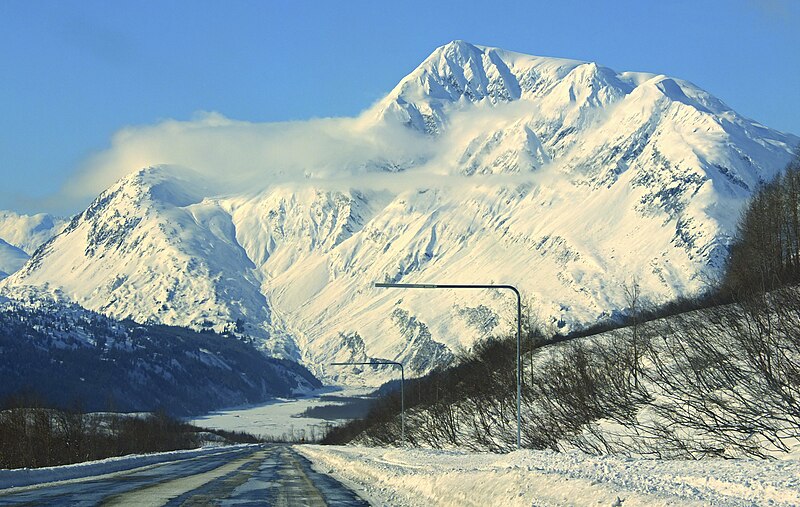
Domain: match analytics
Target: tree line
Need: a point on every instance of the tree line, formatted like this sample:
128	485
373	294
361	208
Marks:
766	251
33	435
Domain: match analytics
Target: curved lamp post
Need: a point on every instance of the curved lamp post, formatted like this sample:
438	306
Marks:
519	328
402	389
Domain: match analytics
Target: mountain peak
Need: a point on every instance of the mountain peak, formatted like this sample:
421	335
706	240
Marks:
458	49
459	74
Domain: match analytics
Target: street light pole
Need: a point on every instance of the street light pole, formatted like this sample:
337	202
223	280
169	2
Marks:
402	389
519	328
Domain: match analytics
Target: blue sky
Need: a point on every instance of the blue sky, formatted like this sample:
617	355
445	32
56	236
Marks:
72	73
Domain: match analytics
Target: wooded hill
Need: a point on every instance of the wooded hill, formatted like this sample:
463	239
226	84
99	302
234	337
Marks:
66	355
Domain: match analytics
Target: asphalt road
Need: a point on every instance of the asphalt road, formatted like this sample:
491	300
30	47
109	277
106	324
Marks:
269	475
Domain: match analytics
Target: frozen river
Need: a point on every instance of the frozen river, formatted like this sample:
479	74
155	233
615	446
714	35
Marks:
293	419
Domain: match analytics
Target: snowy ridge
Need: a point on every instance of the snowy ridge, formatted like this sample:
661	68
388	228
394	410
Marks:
170	242
27	232
11	259
565	178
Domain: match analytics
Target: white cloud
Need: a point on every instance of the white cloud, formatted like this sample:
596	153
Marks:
236	155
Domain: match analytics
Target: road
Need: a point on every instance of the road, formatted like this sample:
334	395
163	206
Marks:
267	475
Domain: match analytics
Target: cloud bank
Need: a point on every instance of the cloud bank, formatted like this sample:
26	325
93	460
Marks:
236	155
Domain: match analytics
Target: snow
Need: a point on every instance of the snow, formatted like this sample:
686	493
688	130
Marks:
11	258
422	477
27	232
26	476
564	178
281	417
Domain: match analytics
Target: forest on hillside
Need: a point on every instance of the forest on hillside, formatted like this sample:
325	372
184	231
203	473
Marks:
70	356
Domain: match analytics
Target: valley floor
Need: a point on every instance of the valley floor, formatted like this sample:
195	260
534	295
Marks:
288	419
423	477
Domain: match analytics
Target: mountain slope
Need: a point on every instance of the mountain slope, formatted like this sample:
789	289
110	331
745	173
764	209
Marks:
153	249
69	355
27	232
11	259
565	178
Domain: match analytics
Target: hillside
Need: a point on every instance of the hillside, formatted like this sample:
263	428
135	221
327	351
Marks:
720	381
69	357
28	232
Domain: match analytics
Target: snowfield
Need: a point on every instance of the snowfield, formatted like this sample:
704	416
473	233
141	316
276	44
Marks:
11	258
424	477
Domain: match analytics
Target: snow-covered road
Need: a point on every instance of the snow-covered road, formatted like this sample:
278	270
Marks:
236	475
423	477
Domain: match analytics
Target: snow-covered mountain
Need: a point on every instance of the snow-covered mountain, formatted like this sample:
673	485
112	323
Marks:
27	232
11	259
21	235
565	178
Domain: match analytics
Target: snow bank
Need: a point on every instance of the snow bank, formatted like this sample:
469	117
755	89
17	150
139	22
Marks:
27	476
422	477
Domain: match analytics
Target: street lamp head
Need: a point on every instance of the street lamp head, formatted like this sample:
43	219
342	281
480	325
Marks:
380	285
367	363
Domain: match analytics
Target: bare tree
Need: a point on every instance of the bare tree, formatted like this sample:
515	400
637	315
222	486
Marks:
633	296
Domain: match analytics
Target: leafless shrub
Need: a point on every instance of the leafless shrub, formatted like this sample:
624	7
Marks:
34	436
